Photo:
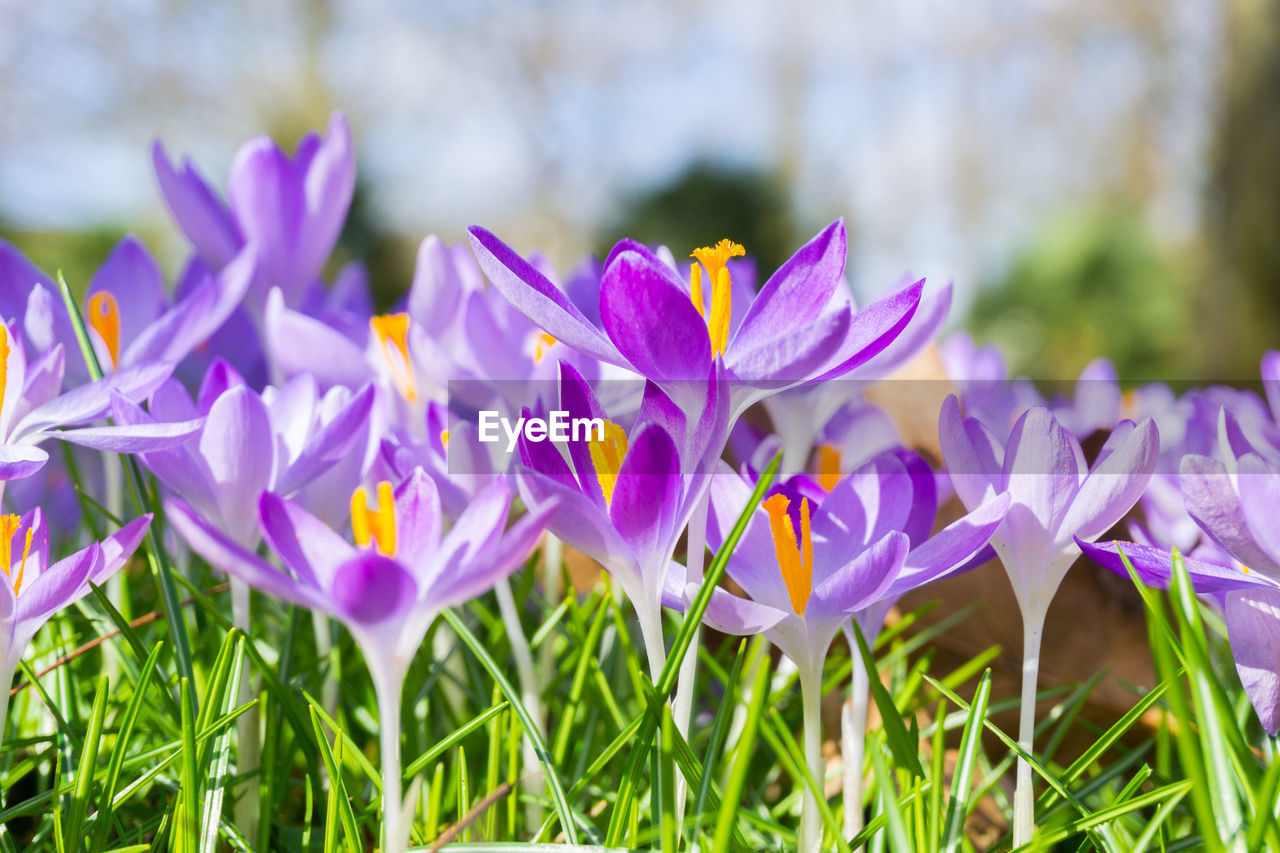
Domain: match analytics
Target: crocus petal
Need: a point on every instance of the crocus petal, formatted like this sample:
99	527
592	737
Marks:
417	508
792	357
57	586
223	553
754	565
1259	488
795	295
651	321
1115	484
950	549
873	329
477	527
580	522
297	343
200	213
370	588
346	433
973	455
306	545
134	280
138	438
500	559
1253	626
119	547
1041	472
647	494
537	298
436	294
20	460
1212	501
925	324
238	446
726	613
1154	567
178	467
90	402
861	580
1271	382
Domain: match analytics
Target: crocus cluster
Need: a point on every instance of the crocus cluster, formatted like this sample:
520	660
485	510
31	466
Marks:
341	459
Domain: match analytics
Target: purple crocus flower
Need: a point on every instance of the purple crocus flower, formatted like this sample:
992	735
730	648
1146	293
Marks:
1056	500
35	587
808	569
290	209
799	327
625	498
387	588
33	411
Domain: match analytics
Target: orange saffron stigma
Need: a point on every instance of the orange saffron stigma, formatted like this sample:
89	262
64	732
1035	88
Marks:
9	526
607	455
104	318
376	525
713	259
542	343
828	466
392	331
795	561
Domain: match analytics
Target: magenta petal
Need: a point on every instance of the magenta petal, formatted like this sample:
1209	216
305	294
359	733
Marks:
647	495
796	294
1253	626
537	298
651	320
370	588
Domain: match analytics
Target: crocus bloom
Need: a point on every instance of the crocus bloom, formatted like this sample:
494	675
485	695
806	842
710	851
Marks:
1055	500
625	498
797	329
32	410
808	570
34	588
290	209
387	588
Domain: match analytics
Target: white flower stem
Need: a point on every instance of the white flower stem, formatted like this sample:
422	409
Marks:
811	701
1023	793
853	742
248	736
530	696
395	837
651	633
324	650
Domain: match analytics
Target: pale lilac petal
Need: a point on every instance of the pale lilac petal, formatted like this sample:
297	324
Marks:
134	279
1115	484
921	331
1271	382
436	295
346	433
1041	473
1212	501
861	580
119	547
1259	488
200	213
465	581
56	587
131	438
972	454
646	495
20	460
238	446
726	613
1253	626
418	521
754	565
306	545
951	549
297	343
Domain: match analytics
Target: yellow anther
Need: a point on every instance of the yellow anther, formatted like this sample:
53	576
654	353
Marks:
542	343
1128	404
1246	569
392	331
828	466
795	560
104	318
607	455
9	526
444	438
713	259
376	525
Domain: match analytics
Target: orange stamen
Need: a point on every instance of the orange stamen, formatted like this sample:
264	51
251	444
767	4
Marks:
607	455
9	526
828	466
376	525
542	343
713	260
392	331
795	561
104	318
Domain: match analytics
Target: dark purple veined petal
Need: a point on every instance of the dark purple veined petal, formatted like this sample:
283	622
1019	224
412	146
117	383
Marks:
650	319
796	294
1154	567
1259	487
951	549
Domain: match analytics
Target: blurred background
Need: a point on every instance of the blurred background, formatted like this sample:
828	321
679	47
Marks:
1096	177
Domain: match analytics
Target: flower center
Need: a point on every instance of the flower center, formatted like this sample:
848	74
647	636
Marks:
104	318
9	527
713	260
828	466
392	331
795	556
542	344
607	455
376	525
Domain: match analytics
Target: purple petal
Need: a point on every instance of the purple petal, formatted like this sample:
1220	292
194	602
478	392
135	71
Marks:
726	613
56	587
651	321
951	548
754	564
918	334
119	547
223	553
1271	382
437	291
297	343
1253	626
238	447
1115	484
131	438
1041	472
200	213
793	356
418	522
537	298
1154	567
346	433
477	528
647	495
795	295
873	329
306	545
501	558
134	279
1259	488
583	524
20	460
1212	501
861	580
370	589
